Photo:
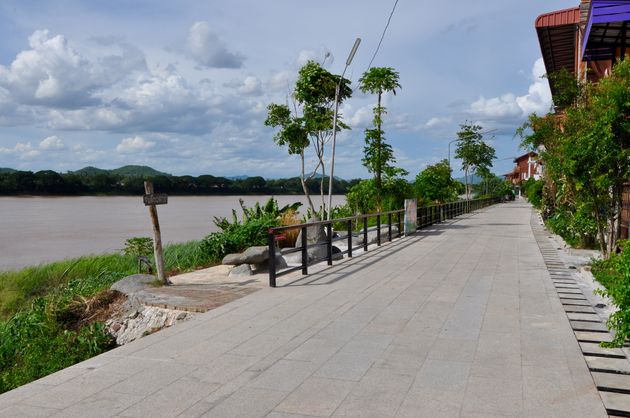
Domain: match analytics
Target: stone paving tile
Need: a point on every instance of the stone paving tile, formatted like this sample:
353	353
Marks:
317	397
355	358
247	403
187	391
102	404
74	390
494	396
27	411
378	395
430	403
448	376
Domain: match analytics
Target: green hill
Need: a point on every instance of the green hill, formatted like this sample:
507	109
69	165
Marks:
7	170
125	171
90	171
137	171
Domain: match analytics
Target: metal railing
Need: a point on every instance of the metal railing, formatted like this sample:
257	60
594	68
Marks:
358	227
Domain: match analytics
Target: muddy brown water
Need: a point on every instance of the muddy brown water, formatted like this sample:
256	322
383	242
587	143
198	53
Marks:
35	230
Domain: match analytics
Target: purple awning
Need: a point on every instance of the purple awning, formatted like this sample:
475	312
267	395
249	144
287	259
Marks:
606	29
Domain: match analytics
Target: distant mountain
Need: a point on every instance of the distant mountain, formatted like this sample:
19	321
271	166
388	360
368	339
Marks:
126	171
90	171
471	179
237	177
7	170
137	171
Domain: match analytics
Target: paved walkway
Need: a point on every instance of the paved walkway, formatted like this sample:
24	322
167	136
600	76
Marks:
460	320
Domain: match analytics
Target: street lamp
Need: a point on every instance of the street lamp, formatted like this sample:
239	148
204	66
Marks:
334	138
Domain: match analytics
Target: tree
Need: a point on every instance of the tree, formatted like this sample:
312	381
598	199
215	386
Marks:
473	151
435	184
310	123
587	157
378	155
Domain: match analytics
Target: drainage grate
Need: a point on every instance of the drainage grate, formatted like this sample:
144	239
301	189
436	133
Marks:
609	367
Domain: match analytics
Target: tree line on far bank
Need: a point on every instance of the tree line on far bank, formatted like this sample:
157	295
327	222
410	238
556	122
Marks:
48	182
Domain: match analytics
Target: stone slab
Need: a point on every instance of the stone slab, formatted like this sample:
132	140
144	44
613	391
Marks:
588	326
593	336
612	381
616	402
612	364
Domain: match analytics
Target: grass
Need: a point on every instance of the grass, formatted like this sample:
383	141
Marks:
96	272
47	311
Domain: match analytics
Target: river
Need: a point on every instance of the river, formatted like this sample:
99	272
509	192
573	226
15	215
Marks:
35	230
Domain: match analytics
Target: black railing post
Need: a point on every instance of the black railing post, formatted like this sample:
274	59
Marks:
350	238
272	258
378	229
389	227
399	225
329	243
304	251
365	234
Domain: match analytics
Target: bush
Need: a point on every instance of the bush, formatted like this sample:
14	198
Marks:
362	197
534	191
614	275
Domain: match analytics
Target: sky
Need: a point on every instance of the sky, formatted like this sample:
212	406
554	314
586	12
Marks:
184	86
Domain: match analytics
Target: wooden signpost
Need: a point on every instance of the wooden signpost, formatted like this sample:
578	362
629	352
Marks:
151	199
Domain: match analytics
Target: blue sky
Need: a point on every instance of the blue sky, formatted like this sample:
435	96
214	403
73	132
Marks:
183	86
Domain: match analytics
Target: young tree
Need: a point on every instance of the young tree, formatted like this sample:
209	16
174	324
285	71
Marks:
378	155
435	184
310	123
473	151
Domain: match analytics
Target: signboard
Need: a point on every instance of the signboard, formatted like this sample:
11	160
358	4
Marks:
155	199
411	215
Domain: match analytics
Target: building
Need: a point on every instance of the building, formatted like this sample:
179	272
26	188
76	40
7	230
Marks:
586	40
527	166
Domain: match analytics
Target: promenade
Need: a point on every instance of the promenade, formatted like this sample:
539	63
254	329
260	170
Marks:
461	319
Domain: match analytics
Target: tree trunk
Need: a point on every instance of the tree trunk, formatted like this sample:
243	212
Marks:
305	188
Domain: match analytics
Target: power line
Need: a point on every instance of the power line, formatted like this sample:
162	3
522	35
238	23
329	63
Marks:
389	19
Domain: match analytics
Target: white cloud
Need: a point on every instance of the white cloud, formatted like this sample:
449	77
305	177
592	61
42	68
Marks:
23	151
323	56
251	86
510	107
208	50
280	81
362	118
52	73
436	122
134	144
52	143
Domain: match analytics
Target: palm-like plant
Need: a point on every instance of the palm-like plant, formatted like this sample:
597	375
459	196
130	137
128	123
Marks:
379	155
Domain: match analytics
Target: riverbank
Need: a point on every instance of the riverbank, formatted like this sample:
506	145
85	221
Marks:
52	315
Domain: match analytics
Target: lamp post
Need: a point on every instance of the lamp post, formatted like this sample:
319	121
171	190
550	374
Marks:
334	138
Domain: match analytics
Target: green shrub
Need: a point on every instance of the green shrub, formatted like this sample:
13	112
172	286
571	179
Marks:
614	275
534	191
362	196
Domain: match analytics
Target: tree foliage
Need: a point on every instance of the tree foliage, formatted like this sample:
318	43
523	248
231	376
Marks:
587	157
473	151
378	154
435	183
310	123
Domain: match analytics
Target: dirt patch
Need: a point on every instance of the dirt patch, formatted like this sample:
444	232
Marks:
99	308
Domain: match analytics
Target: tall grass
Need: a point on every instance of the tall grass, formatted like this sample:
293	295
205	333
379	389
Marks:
93	273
